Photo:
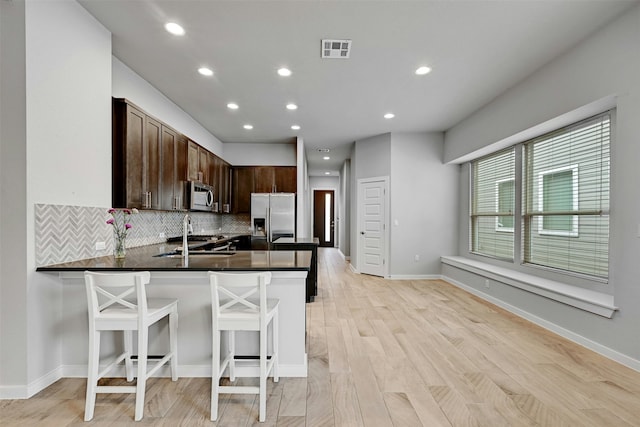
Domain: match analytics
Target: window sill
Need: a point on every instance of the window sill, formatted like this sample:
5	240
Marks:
585	299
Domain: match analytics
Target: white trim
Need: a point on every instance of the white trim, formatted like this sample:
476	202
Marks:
585	299
603	104
34	387
414	277
572	336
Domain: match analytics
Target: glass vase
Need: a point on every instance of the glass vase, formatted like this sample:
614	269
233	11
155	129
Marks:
119	250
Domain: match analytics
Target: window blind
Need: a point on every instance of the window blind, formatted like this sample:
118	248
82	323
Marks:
493	203
566	198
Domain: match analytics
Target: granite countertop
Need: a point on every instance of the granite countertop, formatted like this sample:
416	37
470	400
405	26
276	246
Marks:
143	258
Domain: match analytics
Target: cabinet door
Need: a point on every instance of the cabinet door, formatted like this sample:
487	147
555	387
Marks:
128	153
203	165
215	163
286	179
152	162
264	179
182	171
242	189
212	161
168	171
194	158
225	183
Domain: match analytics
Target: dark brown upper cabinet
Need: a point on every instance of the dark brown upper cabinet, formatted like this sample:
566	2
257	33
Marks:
275	179
136	158
149	161
242	187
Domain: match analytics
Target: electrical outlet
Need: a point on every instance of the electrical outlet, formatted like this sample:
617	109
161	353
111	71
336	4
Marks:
101	246
416	258
162	235
486	284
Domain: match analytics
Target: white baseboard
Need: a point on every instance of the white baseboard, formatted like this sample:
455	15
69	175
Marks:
572	336
353	269
34	387
243	369
9	392
344	257
415	277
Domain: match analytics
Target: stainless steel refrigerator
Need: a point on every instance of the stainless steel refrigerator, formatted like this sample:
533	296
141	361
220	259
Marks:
273	215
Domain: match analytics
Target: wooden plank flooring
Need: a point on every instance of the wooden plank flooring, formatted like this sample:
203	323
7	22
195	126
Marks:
388	353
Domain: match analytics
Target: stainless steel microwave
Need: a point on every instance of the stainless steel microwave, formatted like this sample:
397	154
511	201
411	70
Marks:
200	196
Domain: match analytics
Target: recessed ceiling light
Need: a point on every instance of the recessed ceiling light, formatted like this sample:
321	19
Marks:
292	107
326	158
389	116
205	71
327	173
423	70
174	28
232	106
295	127
284	72
248	127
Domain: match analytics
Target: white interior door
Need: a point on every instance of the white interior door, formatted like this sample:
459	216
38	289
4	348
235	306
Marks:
372	239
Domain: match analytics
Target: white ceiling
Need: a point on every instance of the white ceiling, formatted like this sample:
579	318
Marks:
476	48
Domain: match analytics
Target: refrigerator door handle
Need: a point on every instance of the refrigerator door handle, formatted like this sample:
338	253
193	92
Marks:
268	225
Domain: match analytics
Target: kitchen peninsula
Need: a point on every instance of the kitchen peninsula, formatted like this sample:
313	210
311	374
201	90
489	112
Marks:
172	277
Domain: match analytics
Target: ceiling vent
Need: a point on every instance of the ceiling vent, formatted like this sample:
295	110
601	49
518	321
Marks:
336	49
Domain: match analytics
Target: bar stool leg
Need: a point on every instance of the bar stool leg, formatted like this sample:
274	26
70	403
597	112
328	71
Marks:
173	344
92	375
276	340
232	355
128	348
263	373
215	375
143	341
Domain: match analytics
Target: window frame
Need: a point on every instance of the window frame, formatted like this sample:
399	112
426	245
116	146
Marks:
575	204
529	203
502	229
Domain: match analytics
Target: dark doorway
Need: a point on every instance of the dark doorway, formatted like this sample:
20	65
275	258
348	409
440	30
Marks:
323	219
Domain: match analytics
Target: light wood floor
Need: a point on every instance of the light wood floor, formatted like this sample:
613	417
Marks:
383	353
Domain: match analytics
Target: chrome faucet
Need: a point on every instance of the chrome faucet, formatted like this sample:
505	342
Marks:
186	229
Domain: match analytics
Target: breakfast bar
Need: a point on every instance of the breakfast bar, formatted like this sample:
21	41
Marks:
174	277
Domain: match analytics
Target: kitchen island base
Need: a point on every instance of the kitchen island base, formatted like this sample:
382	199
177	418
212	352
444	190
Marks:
191	288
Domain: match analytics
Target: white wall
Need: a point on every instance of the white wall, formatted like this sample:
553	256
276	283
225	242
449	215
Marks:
60	153
303	200
374	156
128	84
257	154
370	158
606	65
423	198
13	204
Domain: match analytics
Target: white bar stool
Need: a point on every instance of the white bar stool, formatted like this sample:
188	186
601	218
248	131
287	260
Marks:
236	308
118	302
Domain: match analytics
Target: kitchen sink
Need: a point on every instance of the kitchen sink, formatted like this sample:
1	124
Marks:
196	253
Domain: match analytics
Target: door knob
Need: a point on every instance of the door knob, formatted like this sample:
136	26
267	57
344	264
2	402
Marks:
362	232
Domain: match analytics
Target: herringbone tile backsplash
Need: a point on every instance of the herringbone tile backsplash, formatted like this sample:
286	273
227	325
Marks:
69	233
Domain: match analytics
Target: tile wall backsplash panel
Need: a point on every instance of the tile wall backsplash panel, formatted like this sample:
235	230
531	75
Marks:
236	224
69	233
